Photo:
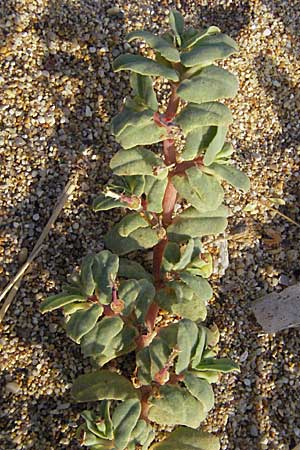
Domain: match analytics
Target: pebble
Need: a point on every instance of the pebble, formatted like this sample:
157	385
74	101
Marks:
284	280
13	387
36	217
114	11
253	431
267	32
20	142
23	255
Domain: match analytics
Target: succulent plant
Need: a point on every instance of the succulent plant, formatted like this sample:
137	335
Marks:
174	196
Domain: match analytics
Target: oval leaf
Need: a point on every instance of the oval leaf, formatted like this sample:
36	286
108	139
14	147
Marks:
142	87
81	322
185	439
212	83
206	114
165	411
124	420
136	161
143	66
193	223
157	43
209	49
232	175
102	385
59	300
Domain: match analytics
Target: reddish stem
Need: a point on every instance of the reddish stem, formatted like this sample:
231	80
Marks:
173	104
169	202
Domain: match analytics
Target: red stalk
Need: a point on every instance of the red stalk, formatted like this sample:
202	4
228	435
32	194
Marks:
169	202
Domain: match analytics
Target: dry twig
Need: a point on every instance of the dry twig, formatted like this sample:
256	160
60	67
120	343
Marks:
14	284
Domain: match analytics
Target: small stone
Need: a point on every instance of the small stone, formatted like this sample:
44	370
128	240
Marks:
114	11
92	49
53	327
284	280
244	356
23	255
279	311
63	406
253	431
12	387
88	111
267	32
76	226
36	217
20	142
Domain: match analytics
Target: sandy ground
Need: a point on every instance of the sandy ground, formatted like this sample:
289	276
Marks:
58	94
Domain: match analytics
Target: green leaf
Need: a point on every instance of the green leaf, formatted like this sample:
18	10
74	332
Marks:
143	66
199	285
100	424
81	322
109	339
207	114
137	295
71	308
200	347
209	49
124	420
200	389
177	24
204	192
165	411
149	134
201	266
132	269
139	239
212	83
185	257
209	376
142	87
157	43
130	223
152	359
190	307
186	342
226	151
171	256
92	440
215	145
210	138
142	435
186	439
129	118
232	175
192	36
59	300
193	223
105	269
102	385
135	161
155	191
86	275
223	365
135	184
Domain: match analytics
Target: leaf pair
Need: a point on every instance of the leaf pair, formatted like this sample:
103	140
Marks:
187	257
132	128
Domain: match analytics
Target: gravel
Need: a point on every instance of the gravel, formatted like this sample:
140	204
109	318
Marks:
58	94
